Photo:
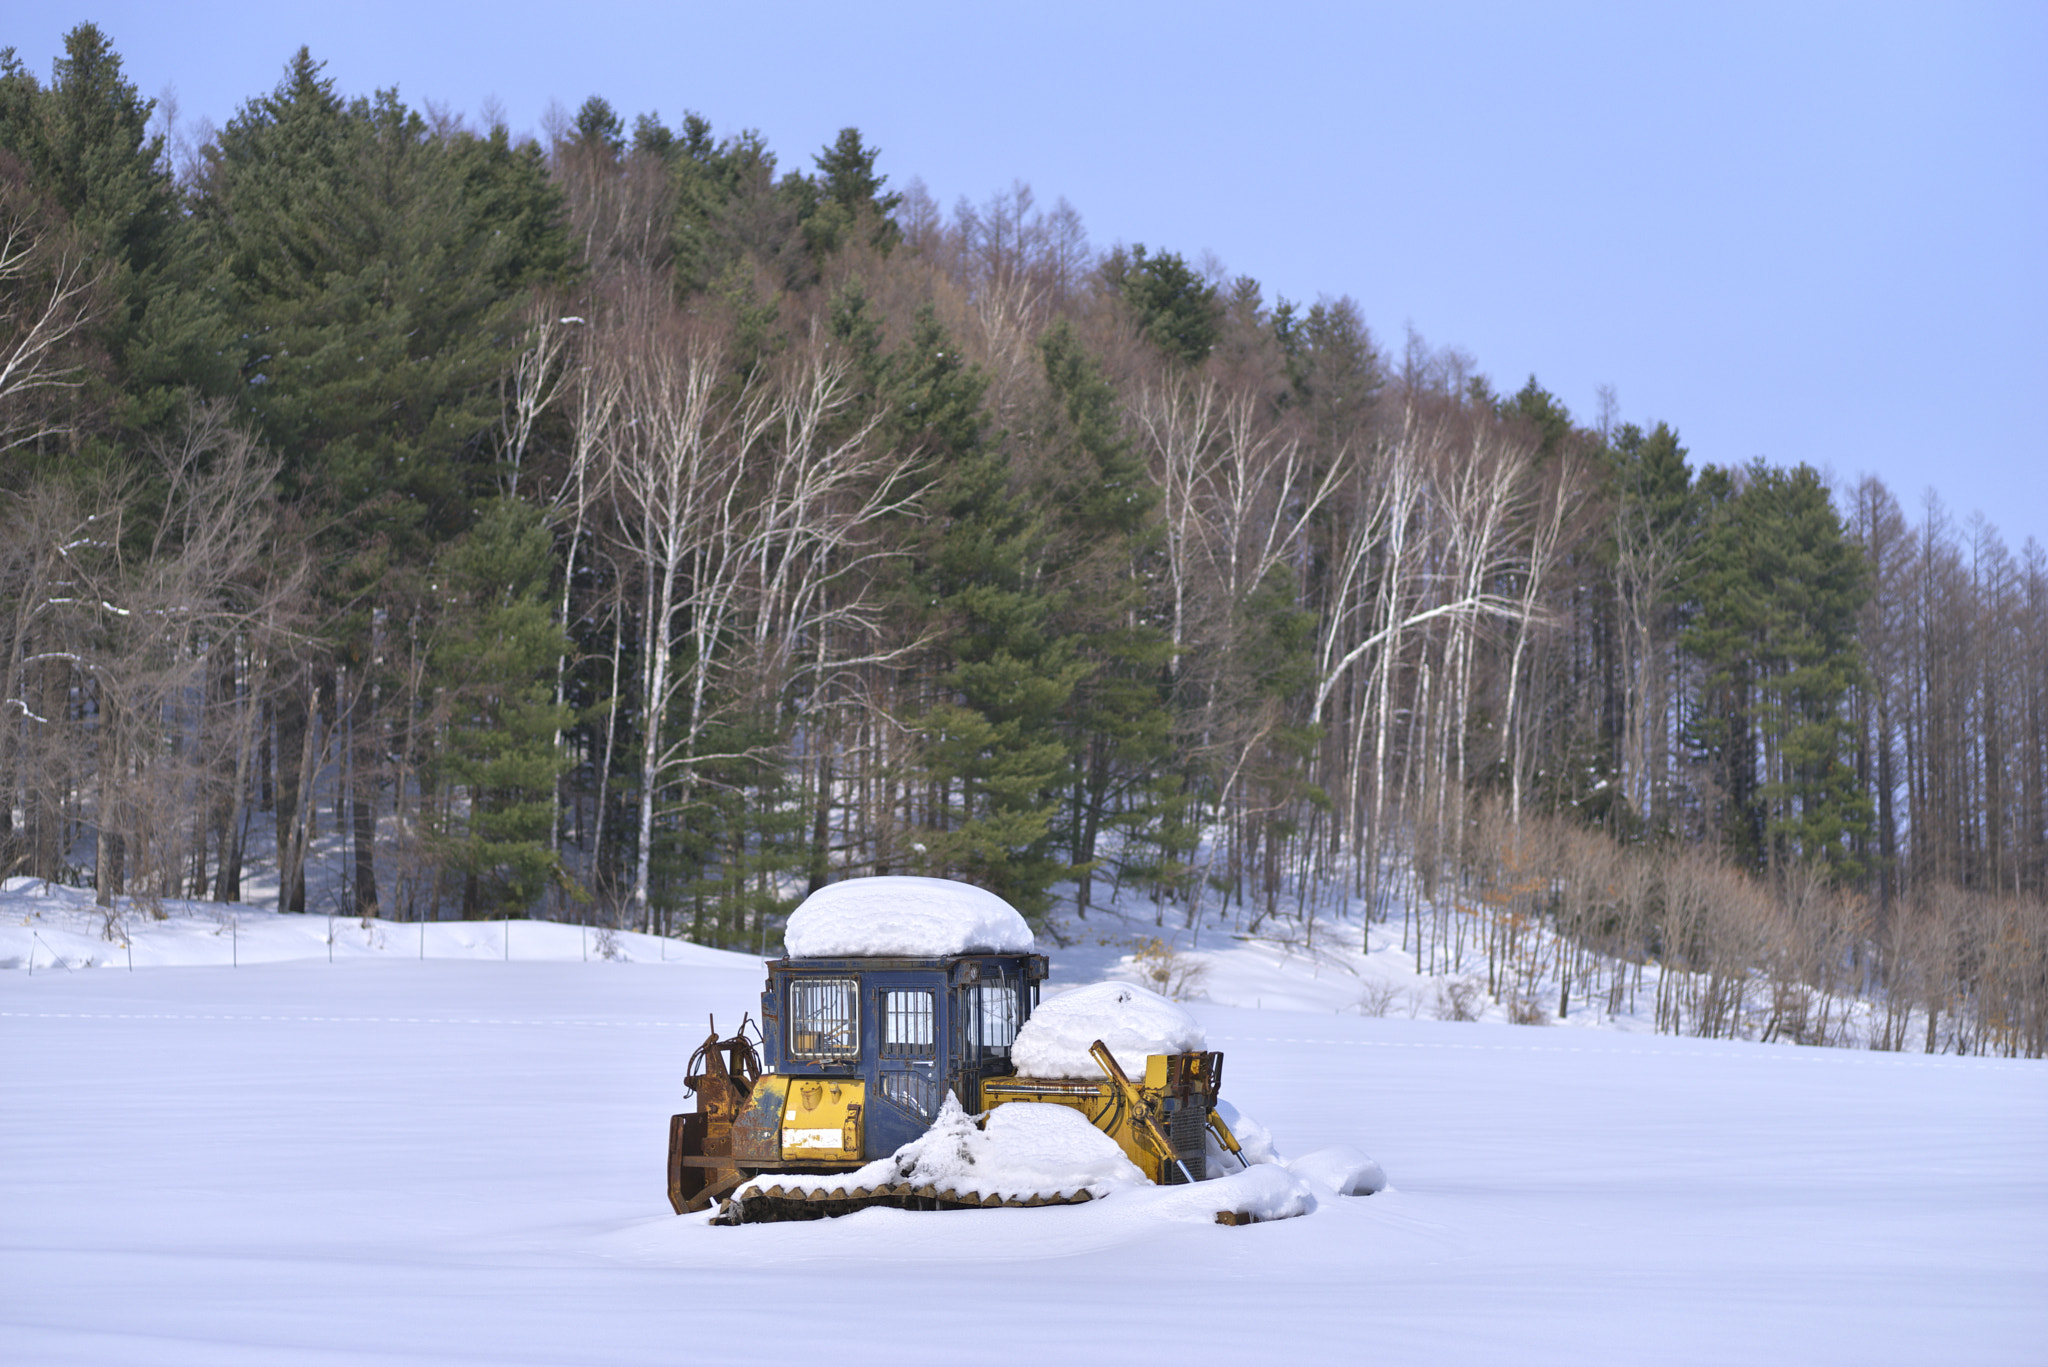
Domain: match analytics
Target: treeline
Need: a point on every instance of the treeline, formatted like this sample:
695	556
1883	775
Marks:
628	527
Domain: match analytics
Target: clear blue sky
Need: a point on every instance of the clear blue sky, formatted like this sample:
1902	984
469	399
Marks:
1806	232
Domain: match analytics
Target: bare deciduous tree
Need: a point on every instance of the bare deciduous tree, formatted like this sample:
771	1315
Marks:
46	304
142	608
746	511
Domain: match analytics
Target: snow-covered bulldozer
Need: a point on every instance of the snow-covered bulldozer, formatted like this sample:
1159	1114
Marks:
899	999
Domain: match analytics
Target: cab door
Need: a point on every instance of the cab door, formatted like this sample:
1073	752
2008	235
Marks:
904	1009
987	1009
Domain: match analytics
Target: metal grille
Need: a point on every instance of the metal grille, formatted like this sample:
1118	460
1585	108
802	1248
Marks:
907	1024
914	1092
824	1018
1185	1129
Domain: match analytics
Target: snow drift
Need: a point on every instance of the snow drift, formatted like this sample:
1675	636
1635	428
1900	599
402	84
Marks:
1341	1168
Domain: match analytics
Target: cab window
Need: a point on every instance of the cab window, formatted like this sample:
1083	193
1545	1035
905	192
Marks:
824	1018
994	1016
907	1017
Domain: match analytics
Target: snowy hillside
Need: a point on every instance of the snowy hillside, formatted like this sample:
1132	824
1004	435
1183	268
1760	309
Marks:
459	1160
1321	963
46	928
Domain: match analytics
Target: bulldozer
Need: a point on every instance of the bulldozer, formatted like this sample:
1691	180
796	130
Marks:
853	1056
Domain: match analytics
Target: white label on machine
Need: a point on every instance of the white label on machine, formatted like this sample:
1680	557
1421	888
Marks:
812	1139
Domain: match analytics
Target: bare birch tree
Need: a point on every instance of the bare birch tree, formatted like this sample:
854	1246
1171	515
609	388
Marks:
46	304
746	512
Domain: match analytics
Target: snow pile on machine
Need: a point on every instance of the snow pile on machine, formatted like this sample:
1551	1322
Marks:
903	917
1133	1022
1025	1155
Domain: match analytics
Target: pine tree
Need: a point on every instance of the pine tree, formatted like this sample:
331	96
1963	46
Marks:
992	756
992	746
495	764
850	199
1779	588
598	129
376	274
86	145
1174	308
1101	539
737	225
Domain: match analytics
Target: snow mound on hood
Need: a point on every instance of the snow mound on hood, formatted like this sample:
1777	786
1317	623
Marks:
902	917
1130	1020
1025	1150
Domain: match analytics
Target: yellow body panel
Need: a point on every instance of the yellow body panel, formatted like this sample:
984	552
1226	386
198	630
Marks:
821	1120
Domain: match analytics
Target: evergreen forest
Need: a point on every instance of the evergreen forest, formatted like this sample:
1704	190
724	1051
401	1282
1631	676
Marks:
633	528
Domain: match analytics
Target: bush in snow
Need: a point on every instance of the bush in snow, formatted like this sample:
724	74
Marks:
1168	972
1457	999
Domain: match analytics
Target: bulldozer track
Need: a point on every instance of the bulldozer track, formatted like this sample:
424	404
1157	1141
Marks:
754	1204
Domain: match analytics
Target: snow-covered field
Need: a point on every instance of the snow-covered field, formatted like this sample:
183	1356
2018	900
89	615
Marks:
458	1159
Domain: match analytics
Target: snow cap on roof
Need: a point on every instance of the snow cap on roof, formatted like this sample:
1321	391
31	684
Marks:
900	917
1130	1020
